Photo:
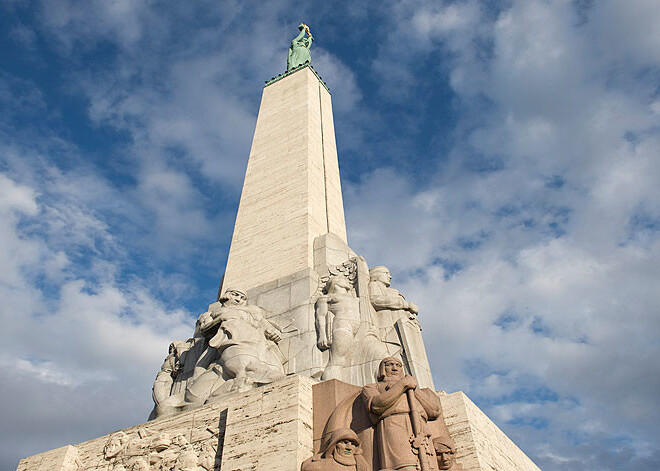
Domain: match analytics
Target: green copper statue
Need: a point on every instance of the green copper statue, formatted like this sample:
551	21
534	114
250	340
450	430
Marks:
299	50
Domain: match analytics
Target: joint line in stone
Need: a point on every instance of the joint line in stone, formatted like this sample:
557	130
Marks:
325	176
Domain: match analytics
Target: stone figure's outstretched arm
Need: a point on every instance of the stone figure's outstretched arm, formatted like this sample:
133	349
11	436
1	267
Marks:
271	331
321	320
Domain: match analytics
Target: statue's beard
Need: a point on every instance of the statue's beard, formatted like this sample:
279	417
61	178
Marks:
346	460
393	378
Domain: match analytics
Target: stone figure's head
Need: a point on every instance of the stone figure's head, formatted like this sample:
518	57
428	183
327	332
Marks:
338	281
140	465
186	461
343	445
390	369
233	297
380	273
160	442
180	439
177	346
444	453
115	445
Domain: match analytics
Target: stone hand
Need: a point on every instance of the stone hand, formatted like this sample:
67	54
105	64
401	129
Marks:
408	382
412	307
323	344
273	334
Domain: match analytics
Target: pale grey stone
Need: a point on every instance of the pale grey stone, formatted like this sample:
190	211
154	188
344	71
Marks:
480	444
276	300
414	352
337	324
329	250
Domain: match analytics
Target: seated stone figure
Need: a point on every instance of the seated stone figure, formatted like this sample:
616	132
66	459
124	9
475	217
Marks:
242	343
397	407
337	323
341	453
172	367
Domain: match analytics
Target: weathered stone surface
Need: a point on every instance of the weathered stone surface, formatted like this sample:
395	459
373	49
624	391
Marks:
66	458
329	250
414	351
267	428
270	428
480	444
292	191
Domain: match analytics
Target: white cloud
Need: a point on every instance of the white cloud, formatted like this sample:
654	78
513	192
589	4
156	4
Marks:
548	237
64	337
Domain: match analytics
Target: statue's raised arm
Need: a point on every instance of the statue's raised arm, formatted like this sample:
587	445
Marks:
299	51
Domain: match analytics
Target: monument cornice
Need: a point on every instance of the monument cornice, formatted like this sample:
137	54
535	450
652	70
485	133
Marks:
279	77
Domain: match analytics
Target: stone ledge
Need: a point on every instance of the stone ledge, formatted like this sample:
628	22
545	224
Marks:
279	77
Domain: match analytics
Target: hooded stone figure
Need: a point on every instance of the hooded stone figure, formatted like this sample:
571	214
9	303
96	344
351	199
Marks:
340	452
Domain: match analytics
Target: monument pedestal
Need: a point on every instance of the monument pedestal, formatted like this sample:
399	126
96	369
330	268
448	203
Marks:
267	428
271	428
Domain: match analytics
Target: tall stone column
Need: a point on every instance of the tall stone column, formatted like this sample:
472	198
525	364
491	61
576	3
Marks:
291	193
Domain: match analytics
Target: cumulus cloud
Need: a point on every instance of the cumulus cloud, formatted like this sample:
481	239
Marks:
535	261
67	340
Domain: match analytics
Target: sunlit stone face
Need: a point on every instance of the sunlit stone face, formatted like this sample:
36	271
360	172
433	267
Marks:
235	298
445	456
346	447
393	368
112	449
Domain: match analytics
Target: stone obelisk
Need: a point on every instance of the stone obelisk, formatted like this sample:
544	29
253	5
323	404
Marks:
292	193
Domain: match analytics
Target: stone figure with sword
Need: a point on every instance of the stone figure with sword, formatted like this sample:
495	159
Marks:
400	412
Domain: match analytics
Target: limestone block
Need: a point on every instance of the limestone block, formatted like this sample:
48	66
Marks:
283	294
480	444
275	300
268	428
330	249
66	458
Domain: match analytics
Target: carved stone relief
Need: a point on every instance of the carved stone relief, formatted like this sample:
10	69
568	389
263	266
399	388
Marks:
398	424
344	321
356	316
341	452
146	450
234	349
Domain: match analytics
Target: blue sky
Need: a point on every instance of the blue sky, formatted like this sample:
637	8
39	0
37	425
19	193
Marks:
500	157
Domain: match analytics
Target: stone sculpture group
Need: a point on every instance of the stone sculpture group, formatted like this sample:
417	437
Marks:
145	450
235	347
405	428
